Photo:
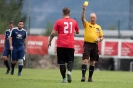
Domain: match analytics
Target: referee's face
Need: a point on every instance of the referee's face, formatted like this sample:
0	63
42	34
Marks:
20	25
93	19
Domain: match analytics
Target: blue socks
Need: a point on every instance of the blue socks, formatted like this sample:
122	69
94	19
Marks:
20	67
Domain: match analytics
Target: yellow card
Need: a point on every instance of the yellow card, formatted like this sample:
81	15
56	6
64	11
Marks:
86	3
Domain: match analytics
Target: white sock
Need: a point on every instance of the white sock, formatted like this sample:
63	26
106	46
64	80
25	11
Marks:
69	72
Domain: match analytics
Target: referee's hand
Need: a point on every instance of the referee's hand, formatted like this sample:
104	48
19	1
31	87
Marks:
84	7
97	40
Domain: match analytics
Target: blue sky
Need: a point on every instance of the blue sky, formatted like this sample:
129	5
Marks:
109	12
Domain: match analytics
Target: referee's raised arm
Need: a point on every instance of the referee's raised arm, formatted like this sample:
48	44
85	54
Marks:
83	14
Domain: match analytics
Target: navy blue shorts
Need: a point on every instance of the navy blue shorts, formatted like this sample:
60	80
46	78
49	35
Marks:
17	54
7	52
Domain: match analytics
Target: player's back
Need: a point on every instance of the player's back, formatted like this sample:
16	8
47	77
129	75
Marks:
66	28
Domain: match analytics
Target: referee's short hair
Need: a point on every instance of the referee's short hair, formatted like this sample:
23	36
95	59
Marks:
66	11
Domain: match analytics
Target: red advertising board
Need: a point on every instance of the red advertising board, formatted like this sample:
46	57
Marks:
127	49
111	48
100	47
35	44
39	45
78	46
2	37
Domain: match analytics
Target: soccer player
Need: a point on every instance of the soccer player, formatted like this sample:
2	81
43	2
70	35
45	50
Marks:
7	50
92	35
18	43
65	42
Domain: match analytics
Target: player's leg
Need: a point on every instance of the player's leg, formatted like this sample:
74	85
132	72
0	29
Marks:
63	72
85	59
20	60
20	66
61	62
84	67
13	63
6	64
69	67
4	57
69	56
13	60
93	58
91	70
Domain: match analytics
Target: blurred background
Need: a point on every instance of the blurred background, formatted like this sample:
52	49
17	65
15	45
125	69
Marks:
114	16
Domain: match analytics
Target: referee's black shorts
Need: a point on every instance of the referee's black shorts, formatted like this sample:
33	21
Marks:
90	50
65	55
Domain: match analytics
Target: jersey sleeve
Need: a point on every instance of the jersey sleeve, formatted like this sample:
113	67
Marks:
25	34
56	26
76	27
84	24
101	32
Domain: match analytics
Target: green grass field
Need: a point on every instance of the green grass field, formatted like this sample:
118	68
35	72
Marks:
46	78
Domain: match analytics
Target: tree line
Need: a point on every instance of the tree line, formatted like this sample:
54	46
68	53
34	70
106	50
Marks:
10	10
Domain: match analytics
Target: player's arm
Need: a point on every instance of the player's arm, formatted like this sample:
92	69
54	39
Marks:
77	28
83	14
10	42
51	37
25	44
100	38
77	32
101	35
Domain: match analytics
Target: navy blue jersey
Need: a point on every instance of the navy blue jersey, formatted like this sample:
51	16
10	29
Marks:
7	35
18	37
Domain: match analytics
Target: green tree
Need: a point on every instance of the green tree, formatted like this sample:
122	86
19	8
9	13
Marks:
49	27
10	10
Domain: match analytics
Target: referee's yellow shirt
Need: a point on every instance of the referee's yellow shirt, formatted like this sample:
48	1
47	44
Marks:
92	32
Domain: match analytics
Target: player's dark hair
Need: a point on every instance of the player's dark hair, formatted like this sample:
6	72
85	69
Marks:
11	22
66	11
21	21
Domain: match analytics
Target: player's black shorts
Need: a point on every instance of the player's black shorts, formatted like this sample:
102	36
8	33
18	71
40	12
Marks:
65	55
90	50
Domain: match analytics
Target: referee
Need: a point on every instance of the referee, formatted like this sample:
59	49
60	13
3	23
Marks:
92	35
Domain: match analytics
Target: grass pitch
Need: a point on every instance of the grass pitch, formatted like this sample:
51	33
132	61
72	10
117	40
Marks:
50	78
